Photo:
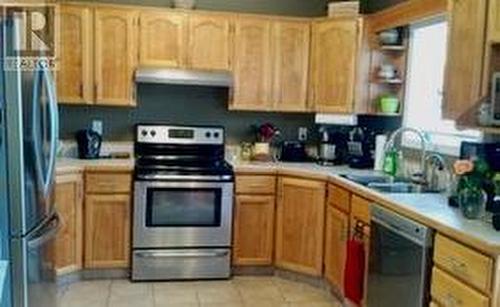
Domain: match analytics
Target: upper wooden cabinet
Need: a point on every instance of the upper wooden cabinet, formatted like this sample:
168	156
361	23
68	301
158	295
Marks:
74	77
291	41
163	38
252	64
494	21
300	225
466	46
115	55
68	246
210	42
333	69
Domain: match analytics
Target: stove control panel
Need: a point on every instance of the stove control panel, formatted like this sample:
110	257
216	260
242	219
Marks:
185	135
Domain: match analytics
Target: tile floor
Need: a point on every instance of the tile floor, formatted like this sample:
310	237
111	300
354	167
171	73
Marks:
238	292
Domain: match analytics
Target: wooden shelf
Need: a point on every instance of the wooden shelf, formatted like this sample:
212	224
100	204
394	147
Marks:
396	81
484	129
392	48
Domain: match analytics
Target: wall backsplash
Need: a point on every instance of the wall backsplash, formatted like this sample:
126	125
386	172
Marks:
181	105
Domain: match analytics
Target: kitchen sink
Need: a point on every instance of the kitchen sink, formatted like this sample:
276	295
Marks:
387	184
399	187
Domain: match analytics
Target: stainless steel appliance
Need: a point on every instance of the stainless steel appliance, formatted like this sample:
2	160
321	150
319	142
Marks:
28	142
495	99
183	204
327	149
400	261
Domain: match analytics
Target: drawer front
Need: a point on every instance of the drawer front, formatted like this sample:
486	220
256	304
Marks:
108	183
464	263
339	198
255	184
360	209
448	291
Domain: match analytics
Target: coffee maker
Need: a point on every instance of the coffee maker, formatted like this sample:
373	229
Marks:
361	148
332	148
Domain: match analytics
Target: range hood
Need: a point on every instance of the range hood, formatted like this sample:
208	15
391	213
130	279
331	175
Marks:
217	78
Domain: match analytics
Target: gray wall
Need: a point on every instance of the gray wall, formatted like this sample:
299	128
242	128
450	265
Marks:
179	105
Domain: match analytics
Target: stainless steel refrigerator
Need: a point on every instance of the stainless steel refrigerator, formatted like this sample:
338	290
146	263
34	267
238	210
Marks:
28	144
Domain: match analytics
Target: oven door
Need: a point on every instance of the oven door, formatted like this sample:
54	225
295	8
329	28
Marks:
182	214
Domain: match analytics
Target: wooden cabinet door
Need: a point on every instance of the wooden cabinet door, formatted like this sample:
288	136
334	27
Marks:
253	230
291	41
115	56
210	41
466	45
336	234
74	77
333	71
68	246
300	225
163	39
252	64
494	21
107	231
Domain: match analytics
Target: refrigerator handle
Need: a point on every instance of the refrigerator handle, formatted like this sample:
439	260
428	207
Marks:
43	76
51	232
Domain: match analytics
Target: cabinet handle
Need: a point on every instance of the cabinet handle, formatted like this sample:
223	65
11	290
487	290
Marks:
452	301
458	266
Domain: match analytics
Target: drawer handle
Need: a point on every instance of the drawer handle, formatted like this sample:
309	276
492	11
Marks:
181	254
457	265
452	301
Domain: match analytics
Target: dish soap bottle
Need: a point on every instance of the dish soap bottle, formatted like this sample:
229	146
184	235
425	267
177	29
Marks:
390	162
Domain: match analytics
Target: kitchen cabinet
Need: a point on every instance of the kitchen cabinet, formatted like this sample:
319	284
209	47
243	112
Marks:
68	246
252	64
300	225
494	21
74	77
163	38
253	230
210	41
466	49
115	53
107	220
447	291
333	68
291	41
336	235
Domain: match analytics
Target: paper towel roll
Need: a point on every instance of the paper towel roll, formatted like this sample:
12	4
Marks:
380	141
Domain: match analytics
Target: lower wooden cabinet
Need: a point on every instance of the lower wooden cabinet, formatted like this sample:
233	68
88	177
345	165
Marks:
68	246
448	291
253	230
300	225
336	234
107	230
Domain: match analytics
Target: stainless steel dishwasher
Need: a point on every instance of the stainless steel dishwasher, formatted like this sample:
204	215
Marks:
399	261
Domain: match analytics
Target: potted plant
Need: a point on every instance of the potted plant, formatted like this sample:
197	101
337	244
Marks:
473	177
262	147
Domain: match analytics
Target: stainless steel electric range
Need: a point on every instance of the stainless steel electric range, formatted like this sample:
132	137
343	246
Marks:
183	204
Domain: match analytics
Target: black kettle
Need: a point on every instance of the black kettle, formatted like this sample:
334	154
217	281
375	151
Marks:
89	144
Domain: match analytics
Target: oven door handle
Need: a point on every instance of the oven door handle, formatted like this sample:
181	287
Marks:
181	254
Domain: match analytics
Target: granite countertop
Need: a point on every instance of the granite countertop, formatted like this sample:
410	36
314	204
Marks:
429	209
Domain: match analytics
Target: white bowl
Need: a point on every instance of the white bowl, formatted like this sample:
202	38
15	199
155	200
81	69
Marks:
185	4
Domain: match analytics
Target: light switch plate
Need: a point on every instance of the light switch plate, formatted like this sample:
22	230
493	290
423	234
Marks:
302	134
97	126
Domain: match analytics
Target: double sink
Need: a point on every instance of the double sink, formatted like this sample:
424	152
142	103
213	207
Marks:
387	184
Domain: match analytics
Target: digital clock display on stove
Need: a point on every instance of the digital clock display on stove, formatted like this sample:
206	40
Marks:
181	134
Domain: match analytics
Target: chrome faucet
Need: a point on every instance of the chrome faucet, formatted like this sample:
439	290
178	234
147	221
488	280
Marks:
437	163
419	176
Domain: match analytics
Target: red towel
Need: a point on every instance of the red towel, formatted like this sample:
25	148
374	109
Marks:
354	271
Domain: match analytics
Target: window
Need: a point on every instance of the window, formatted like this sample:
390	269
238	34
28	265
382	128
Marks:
425	79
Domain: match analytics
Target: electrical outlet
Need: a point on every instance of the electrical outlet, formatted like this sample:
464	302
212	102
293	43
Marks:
302	134
97	126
